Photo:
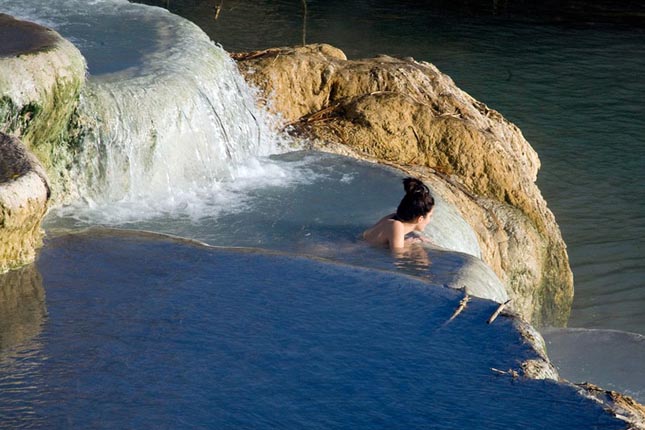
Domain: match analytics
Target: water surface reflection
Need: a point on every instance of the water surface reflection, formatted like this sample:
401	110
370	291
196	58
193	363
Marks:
22	307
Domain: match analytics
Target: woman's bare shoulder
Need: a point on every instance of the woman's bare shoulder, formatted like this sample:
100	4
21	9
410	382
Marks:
382	231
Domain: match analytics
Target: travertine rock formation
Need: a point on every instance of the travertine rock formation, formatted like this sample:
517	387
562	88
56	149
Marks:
41	75
40	79
410	115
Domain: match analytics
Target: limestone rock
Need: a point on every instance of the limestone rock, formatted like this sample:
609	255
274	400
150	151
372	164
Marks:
412	116
24	195
41	74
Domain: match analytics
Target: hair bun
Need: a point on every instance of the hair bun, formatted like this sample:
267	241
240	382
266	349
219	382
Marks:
413	185
417	201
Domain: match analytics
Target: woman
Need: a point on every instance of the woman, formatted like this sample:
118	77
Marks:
413	214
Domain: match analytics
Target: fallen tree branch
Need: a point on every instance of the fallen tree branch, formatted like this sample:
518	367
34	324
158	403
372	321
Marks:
218	9
243	56
500	308
510	372
462	305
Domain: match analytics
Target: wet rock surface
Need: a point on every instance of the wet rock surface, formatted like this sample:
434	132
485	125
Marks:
40	78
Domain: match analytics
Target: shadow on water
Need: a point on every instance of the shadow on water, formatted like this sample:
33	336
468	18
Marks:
430	263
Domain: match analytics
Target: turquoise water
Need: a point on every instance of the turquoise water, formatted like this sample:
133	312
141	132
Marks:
576	91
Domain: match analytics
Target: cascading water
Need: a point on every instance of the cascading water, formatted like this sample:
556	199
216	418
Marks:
173	142
165	137
167	117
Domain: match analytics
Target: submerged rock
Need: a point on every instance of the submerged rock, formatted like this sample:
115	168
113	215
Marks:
41	74
623	407
410	115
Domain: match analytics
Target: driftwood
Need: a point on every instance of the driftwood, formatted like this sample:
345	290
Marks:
510	372
243	56
218	9
500	308
462	305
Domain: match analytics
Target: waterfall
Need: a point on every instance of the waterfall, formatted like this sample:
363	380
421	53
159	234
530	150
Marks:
167	117
181	128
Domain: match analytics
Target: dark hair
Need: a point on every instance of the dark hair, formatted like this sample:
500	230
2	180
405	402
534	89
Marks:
417	200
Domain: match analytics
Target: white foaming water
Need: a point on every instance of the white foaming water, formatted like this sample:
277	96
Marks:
170	122
170	139
203	201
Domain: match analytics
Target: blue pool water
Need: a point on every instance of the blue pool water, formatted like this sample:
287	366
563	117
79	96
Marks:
143	332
